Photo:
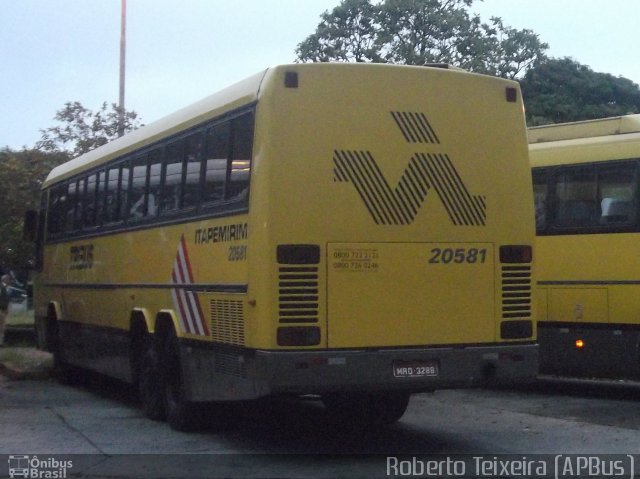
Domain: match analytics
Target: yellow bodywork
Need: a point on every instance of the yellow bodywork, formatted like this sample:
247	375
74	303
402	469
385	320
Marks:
430	277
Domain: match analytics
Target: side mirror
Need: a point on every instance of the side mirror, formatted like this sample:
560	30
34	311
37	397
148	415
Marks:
30	227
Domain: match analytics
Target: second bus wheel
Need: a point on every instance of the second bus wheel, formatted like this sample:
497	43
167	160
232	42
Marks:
150	386
367	409
182	415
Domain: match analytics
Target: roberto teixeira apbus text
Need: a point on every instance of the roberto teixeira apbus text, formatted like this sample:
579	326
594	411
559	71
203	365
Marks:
557	466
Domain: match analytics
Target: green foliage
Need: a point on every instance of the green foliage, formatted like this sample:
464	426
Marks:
82	130
499	50
418	32
561	90
347	33
21	176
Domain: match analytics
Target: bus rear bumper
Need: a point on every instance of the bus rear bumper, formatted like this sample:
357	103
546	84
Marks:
317	372
259	373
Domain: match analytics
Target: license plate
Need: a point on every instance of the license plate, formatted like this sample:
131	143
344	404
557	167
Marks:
415	369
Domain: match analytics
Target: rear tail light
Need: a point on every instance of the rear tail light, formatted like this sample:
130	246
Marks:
299	336
511	94
298	254
516	254
516	329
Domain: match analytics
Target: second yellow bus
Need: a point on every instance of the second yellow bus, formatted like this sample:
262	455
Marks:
585	177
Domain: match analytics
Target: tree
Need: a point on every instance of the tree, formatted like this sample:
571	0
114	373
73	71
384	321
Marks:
500	50
560	90
82	130
346	34
418	32
21	176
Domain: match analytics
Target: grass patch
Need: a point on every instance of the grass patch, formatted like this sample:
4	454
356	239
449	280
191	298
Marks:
23	317
19	359
25	362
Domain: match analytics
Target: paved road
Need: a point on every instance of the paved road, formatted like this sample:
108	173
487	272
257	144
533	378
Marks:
275	438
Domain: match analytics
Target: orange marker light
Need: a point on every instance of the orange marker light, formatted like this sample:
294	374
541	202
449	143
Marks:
579	343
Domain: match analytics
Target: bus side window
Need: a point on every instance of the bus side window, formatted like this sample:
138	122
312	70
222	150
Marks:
111	195
576	198
57	211
193	160
138	196
242	146
540	196
616	187
100	198
80	195
155	173
123	191
172	177
71	208
90	202
217	157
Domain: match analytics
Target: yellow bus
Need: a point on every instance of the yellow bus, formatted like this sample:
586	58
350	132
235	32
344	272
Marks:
585	177
354	232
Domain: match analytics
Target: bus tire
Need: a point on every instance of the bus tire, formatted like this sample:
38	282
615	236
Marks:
181	414
366	409
64	372
149	380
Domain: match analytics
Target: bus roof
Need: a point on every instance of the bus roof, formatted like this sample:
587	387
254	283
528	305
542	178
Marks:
617	125
227	100
235	96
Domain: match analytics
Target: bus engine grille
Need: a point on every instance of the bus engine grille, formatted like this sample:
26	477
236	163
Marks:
516	291
227	321
298	294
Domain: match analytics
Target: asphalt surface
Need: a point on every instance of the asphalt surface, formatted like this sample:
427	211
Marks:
97	425
100	423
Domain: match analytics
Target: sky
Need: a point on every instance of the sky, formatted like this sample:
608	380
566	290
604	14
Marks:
179	51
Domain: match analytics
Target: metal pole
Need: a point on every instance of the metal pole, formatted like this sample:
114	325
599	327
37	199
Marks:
123	48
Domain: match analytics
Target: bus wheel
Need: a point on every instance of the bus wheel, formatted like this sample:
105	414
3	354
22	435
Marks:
367	409
181	414
62	371
150	380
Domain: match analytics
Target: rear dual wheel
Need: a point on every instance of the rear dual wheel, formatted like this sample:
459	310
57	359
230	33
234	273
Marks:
160	383
181	414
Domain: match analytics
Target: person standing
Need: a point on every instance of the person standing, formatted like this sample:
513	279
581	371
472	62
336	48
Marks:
5	282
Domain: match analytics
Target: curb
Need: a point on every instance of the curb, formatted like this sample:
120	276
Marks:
19	375
20	332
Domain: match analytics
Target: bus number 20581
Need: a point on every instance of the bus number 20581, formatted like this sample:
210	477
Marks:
458	255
